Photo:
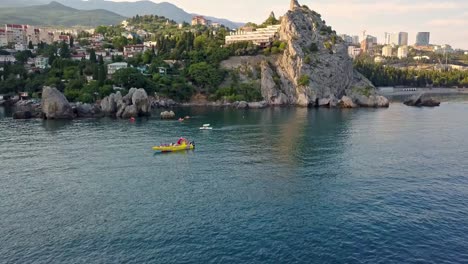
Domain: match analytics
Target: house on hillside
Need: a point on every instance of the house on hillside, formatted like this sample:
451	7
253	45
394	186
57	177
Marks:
200	20
131	50
113	67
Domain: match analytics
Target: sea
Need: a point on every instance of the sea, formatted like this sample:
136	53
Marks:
278	185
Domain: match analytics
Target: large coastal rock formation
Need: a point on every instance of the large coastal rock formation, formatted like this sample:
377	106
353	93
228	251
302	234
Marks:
55	105
315	65
135	103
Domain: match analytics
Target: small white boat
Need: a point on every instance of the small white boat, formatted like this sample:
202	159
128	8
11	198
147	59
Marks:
206	127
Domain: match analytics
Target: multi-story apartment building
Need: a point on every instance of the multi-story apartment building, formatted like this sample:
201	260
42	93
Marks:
423	38
131	50
400	38
353	51
113	67
16	33
403	52
260	37
3	38
387	51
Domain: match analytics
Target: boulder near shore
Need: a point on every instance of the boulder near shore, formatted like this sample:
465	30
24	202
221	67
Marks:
54	104
421	100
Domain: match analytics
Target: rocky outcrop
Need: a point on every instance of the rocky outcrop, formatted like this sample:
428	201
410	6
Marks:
55	105
422	100
134	104
86	110
257	105
346	102
242	105
314	65
109	103
22	115
371	101
168	115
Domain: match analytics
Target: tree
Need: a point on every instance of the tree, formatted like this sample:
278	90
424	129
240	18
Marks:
64	51
92	56
101	60
72	42
23	56
30	45
205	75
119	42
128	78
101	75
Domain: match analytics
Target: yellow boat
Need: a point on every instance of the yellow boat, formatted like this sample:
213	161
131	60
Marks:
182	144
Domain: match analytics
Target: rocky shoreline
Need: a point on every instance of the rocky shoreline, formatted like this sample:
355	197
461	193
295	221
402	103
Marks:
137	103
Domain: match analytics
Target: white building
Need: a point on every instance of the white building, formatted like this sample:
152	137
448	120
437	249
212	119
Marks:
113	67
353	52
150	44
261	36
387	51
16	33
41	62
7	58
3	38
46	37
400	38
356	40
403	52
20	47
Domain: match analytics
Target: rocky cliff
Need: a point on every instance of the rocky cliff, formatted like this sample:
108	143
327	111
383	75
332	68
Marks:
315	65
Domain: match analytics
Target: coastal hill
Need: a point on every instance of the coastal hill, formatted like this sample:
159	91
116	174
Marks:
57	14
314	66
125	9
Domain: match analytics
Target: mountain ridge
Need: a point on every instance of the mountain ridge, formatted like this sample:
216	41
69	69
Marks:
57	14
126	9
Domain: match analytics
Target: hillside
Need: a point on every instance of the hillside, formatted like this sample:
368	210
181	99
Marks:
58	15
126	9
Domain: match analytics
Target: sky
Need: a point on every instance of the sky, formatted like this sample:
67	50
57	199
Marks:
446	20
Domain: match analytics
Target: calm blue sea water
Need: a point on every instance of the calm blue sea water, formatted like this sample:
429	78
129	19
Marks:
266	186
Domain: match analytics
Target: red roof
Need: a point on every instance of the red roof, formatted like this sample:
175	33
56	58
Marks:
14	26
2	30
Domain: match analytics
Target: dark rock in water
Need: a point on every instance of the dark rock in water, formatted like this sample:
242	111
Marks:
420	100
55	105
22	115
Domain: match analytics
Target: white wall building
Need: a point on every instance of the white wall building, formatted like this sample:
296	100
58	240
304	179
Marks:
3	38
403	52
387	51
16	33
353	52
41	62
260	37
113	67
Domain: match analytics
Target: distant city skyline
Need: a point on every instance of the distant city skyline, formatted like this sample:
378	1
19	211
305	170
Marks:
447	21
